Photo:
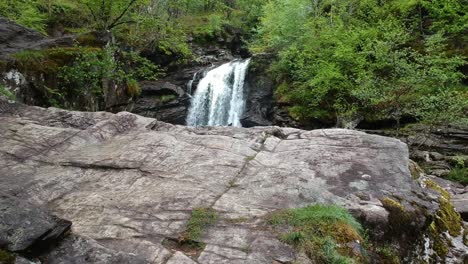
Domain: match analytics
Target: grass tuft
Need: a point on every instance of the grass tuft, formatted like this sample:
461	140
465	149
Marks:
459	175
201	218
320	231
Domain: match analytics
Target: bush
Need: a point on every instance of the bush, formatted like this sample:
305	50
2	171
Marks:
75	75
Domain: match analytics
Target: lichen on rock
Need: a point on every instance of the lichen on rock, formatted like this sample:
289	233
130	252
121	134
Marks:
446	223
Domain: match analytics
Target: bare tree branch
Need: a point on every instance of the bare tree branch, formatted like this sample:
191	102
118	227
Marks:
116	20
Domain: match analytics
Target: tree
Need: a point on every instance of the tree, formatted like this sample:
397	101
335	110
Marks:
348	59
108	14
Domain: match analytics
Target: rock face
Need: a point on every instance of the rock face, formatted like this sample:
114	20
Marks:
38	228
260	87
14	38
129	183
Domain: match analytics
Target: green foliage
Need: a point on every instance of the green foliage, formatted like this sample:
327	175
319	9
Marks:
7	93
167	98
82	72
7	257
154	25
318	230
108	14
201	218
388	255
24	12
87	71
459	175
460	172
379	60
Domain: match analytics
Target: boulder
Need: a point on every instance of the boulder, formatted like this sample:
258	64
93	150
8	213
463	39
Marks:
130	183
27	228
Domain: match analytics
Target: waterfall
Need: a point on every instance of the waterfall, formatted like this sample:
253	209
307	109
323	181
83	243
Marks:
219	98
190	84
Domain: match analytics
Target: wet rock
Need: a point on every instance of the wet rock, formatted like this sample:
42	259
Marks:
260	86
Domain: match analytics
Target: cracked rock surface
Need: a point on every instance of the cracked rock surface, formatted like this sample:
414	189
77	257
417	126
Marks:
129	183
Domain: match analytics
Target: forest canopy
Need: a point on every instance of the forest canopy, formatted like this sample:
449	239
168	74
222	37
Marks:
335	60
369	59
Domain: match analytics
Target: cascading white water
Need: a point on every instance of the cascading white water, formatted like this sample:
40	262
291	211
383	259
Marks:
190	84
219	98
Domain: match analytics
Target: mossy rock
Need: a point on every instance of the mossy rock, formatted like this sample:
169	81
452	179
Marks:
321	232
388	255
400	218
90	39
48	61
435	187
415	170
7	257
446	220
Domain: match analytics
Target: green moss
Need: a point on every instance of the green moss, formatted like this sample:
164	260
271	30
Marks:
48	60
435	187
249	158
399	216
7	257
439	244
459	161
388	255
133	88
393	205
446	220
320	232
415	170
167	98
89	39
200	219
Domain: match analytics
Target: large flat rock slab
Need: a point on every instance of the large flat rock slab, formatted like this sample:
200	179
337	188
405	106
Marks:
25	227
130	183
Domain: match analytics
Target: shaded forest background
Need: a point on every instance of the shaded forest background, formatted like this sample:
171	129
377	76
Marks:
334	60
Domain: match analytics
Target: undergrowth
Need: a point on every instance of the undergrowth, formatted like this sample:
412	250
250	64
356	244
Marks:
321	232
